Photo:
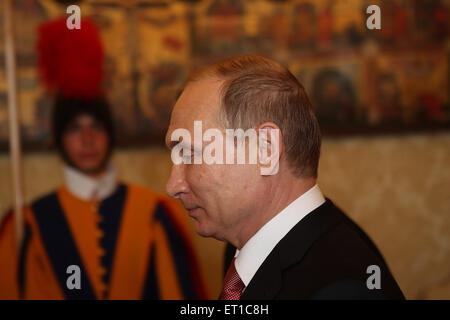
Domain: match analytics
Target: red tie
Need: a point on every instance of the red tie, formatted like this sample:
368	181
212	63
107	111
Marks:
233	285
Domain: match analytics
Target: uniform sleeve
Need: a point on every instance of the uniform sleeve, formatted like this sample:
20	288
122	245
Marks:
174	245
36	279
8	260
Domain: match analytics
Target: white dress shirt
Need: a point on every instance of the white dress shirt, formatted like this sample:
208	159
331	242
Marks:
86	188
255	251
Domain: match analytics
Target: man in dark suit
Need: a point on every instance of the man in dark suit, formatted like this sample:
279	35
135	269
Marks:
330	261
287	241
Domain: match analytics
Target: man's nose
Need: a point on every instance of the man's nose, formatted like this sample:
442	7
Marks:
87	135
177	185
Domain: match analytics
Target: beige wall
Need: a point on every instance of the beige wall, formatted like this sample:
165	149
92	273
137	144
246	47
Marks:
396	187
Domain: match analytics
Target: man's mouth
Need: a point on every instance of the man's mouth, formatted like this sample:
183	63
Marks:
91	155
191	210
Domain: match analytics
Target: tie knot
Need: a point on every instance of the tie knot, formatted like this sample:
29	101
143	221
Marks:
233	285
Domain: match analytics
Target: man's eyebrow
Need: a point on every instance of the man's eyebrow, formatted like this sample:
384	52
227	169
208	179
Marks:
171	144
185	144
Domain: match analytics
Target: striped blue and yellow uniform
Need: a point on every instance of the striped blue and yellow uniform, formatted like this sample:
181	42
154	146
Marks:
135	244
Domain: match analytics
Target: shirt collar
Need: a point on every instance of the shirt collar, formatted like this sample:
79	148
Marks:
255	251
86	188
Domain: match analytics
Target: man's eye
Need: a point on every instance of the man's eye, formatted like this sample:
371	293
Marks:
72	129
187	158
99	127
189	155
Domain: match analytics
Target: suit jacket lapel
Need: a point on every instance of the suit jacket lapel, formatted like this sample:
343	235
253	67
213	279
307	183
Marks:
267	281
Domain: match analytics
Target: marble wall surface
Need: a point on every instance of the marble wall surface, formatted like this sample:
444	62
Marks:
396	187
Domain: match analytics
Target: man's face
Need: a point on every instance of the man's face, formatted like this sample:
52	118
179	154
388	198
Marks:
86	144
220	197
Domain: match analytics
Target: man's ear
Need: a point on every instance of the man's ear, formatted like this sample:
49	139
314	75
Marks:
270	147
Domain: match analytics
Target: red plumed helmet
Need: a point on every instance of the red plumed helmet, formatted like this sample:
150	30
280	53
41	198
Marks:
71	60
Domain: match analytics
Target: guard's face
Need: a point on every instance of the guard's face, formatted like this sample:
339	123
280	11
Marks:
86	143
218	196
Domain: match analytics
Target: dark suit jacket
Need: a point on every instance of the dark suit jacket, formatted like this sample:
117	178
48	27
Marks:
324	256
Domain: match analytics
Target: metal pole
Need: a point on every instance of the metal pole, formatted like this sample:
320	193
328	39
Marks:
14	132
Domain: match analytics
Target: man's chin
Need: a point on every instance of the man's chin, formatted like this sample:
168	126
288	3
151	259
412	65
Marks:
91	170
202	230
205	233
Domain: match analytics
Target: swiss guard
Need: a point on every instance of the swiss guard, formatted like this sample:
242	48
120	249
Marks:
95	237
